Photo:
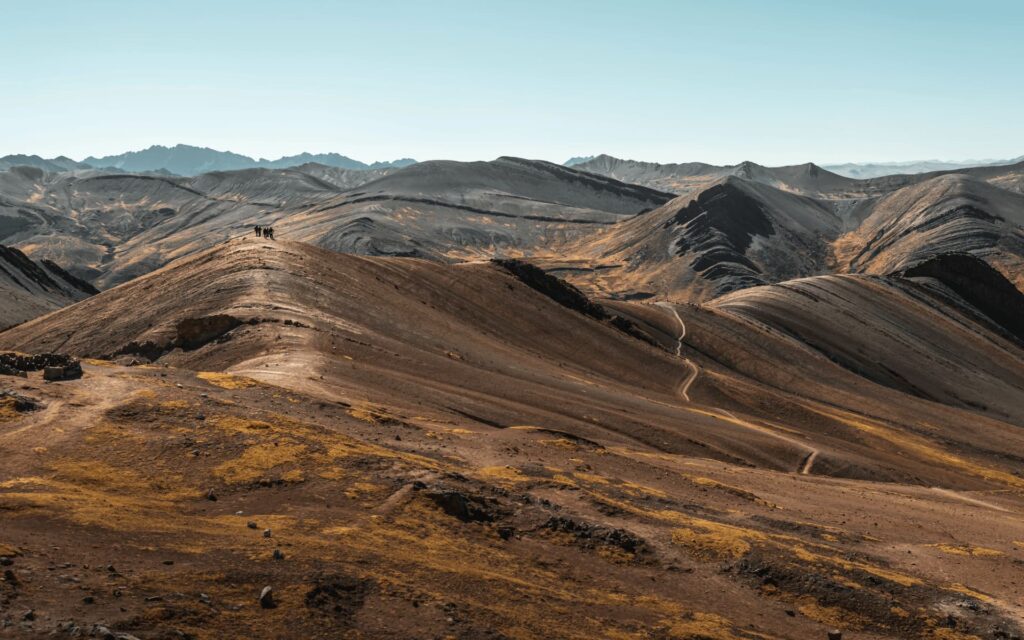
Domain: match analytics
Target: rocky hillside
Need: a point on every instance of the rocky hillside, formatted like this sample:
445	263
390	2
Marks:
29	288
396	447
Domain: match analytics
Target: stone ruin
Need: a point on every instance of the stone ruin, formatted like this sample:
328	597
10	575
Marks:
55	366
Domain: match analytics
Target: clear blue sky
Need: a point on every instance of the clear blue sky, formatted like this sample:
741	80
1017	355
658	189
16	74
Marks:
774	82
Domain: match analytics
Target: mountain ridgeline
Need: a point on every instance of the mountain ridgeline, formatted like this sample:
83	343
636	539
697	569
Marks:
511	399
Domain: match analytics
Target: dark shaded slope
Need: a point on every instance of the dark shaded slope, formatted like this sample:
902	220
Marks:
733	234
893	332
945	214
29	289
980	285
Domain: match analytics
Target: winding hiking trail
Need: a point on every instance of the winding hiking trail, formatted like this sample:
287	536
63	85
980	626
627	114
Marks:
684	388
956	495
806	463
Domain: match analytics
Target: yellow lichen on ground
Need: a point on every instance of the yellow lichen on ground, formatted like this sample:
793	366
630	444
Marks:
257	461
967	550
716	541
362	489
846	582
833	616
226	380
174	404
956	587
239	424
111	507
563	443
370	414
590	477
926	450
507	473
727	488
94	473
702	626
98	363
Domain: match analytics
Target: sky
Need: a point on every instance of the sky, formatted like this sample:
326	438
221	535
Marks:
775	82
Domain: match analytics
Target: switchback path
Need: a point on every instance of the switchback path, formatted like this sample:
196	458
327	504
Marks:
684	388
806	463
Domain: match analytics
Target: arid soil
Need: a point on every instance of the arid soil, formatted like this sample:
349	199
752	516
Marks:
401	448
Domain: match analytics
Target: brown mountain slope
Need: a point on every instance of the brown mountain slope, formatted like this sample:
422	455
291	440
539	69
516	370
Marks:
947	214
891	331
733	234
111	227
443	450
738	233
29	289
457	210
805	179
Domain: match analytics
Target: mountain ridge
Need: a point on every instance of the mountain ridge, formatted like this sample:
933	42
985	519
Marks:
189	160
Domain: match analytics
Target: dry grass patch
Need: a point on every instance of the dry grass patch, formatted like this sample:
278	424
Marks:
257	461
967	550
226	380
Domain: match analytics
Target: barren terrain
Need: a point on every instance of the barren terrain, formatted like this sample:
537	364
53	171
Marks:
444	451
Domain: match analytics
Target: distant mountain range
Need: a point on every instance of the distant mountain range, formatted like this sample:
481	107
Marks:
575	160
186	160
53	165
853	169
879	169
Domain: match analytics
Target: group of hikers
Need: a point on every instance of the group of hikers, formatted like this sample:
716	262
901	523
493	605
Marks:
265	232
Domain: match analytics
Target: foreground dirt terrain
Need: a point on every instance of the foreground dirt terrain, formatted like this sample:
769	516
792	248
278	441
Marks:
405	449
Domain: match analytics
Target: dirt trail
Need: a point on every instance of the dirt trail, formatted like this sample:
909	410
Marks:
684	388
88	399
806	464
805	468
956	495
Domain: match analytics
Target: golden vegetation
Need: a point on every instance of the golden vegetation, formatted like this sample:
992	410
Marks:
226	380
257	461
967	550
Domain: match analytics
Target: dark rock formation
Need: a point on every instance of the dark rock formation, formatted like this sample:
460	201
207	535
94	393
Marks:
195	332
978	283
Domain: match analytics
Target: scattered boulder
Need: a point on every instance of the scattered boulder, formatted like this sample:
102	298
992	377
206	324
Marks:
591	535
18	402
267	598
466	507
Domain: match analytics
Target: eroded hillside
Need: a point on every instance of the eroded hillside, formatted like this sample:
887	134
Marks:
402	448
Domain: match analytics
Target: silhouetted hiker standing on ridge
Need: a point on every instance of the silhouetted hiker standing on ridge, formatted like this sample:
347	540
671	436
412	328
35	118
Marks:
268	232
259	230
